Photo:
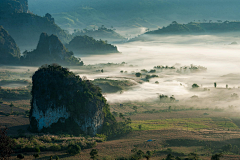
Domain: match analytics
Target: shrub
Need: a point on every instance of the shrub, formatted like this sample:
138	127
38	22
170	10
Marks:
55	148
90	145
102	136
20	156
45	139
169	150
37	149
144	70
94	154
74	149
148	77
138	74
195	85
28	148
36	155
43	148
152	71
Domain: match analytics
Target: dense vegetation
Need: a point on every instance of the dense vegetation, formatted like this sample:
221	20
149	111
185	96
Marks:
81	98
12	6
9	52
111	86
25	28
15	93
135	13
100	33
25	143
196	27
75	93
50	50
88	45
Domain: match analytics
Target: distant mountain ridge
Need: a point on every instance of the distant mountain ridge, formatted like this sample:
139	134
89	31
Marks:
25	27
12	6
71	14
193	28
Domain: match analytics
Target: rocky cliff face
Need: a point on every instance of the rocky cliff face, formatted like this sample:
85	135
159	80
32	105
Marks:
64	102
9	52
50	50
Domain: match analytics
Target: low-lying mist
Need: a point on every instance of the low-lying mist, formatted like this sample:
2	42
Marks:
215	52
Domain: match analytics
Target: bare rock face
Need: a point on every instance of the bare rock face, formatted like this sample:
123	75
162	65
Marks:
9	52
63	102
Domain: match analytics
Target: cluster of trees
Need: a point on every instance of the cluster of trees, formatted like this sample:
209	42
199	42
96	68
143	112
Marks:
164	67
165	98
101	33
198	27
19	93
117	128
195	85
147	77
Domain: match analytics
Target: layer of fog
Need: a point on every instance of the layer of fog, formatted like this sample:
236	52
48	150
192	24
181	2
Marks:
131	32
213	52
13	85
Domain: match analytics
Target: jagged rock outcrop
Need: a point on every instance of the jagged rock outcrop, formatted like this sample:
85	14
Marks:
88	45
9	52
63	102
50	50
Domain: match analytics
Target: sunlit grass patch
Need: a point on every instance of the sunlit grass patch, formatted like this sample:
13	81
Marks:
184	123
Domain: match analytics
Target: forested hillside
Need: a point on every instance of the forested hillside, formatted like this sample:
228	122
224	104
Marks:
135	13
